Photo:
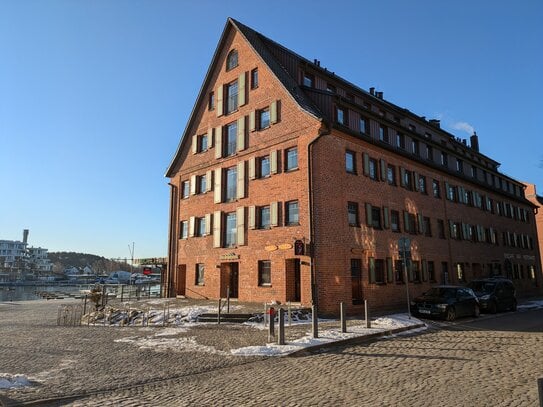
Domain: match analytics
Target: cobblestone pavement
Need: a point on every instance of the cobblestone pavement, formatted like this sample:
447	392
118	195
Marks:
440	367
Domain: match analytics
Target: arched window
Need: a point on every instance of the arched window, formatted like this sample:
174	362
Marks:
232	60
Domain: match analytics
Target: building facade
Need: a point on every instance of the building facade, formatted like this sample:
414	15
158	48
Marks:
292	184
19	261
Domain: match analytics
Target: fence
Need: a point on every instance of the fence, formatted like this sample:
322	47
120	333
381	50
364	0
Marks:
69	315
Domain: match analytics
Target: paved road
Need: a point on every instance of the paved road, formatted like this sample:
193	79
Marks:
467	363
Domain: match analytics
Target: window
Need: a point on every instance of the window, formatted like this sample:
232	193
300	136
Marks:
201	184
254	78
422	184
383	134
460	273
395	221
231	184
341	116
412	128
376	217
363	125
264	217
183	229
391	174
202	144
400	140
230	232
308	80
232	60
451	192
200	227
264	166
441	228
330	88
415	147
232	97
410	223
379	271
264	118
398	268
373	169
185	189
459	165
264	272
415	271
352	209
429	152
211	101
199	280
431	272
427	227
473	171
350	162
291	213
291	159
436	188
408	179
230	146
444	159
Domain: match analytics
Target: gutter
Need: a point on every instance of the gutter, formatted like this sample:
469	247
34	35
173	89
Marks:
314	279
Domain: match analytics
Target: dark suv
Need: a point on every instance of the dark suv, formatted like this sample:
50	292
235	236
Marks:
495	294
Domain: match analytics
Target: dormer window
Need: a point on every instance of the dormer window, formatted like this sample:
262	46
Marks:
232	60
308	80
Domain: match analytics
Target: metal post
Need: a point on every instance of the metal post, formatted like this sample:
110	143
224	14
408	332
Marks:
219	312
103	295
314	322
228	299
271	330
122	292
164	316
85	305
540	387
289	314
265	315
281	339
342	317
367	311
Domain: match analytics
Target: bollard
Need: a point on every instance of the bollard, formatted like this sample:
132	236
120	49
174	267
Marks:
342	317
219	312
289	314
228	299
314	322
540	387
122	293
281	336
85	305
367	311
271	329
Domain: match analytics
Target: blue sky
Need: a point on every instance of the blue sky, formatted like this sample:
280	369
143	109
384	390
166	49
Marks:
94	95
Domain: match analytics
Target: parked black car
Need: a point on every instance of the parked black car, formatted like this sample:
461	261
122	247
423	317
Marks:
495	294
446	301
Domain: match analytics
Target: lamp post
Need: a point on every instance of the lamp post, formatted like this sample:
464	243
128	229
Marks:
404	246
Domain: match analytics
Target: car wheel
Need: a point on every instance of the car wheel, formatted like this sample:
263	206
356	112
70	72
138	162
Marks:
493	307
514	306
476	311
451	314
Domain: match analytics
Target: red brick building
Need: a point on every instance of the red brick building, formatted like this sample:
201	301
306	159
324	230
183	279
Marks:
292	184
531	194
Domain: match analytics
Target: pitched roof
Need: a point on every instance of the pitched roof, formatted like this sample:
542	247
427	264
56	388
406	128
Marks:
260	45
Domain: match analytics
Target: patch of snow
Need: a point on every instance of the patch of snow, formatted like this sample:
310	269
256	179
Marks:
535	304
170	344
13	381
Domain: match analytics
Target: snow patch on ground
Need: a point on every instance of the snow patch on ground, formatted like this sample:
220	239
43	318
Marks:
531	305
330	335
13	381
159	343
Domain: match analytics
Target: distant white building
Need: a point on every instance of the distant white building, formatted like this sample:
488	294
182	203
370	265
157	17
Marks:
38	258
17	256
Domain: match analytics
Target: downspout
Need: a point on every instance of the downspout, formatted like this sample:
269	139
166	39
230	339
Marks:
172	252
314	279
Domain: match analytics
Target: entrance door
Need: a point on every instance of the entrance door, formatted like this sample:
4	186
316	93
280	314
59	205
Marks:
234	279
180	279
293	280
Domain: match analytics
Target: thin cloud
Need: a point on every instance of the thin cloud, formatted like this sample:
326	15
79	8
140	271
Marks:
463	126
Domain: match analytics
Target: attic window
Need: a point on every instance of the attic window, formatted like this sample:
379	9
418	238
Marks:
232	60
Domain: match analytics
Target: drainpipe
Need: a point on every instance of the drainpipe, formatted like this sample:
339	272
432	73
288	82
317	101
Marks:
314	279
172	246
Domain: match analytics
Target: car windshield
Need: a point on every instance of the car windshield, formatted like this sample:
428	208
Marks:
443	292
482	286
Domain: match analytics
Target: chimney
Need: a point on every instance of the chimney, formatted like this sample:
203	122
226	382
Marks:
379	95
474	141
435	123
372	91
25	236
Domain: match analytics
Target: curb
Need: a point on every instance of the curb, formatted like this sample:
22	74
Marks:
353	341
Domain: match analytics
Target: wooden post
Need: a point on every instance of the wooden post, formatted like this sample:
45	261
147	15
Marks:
342	317
367	312
315	322
281	336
